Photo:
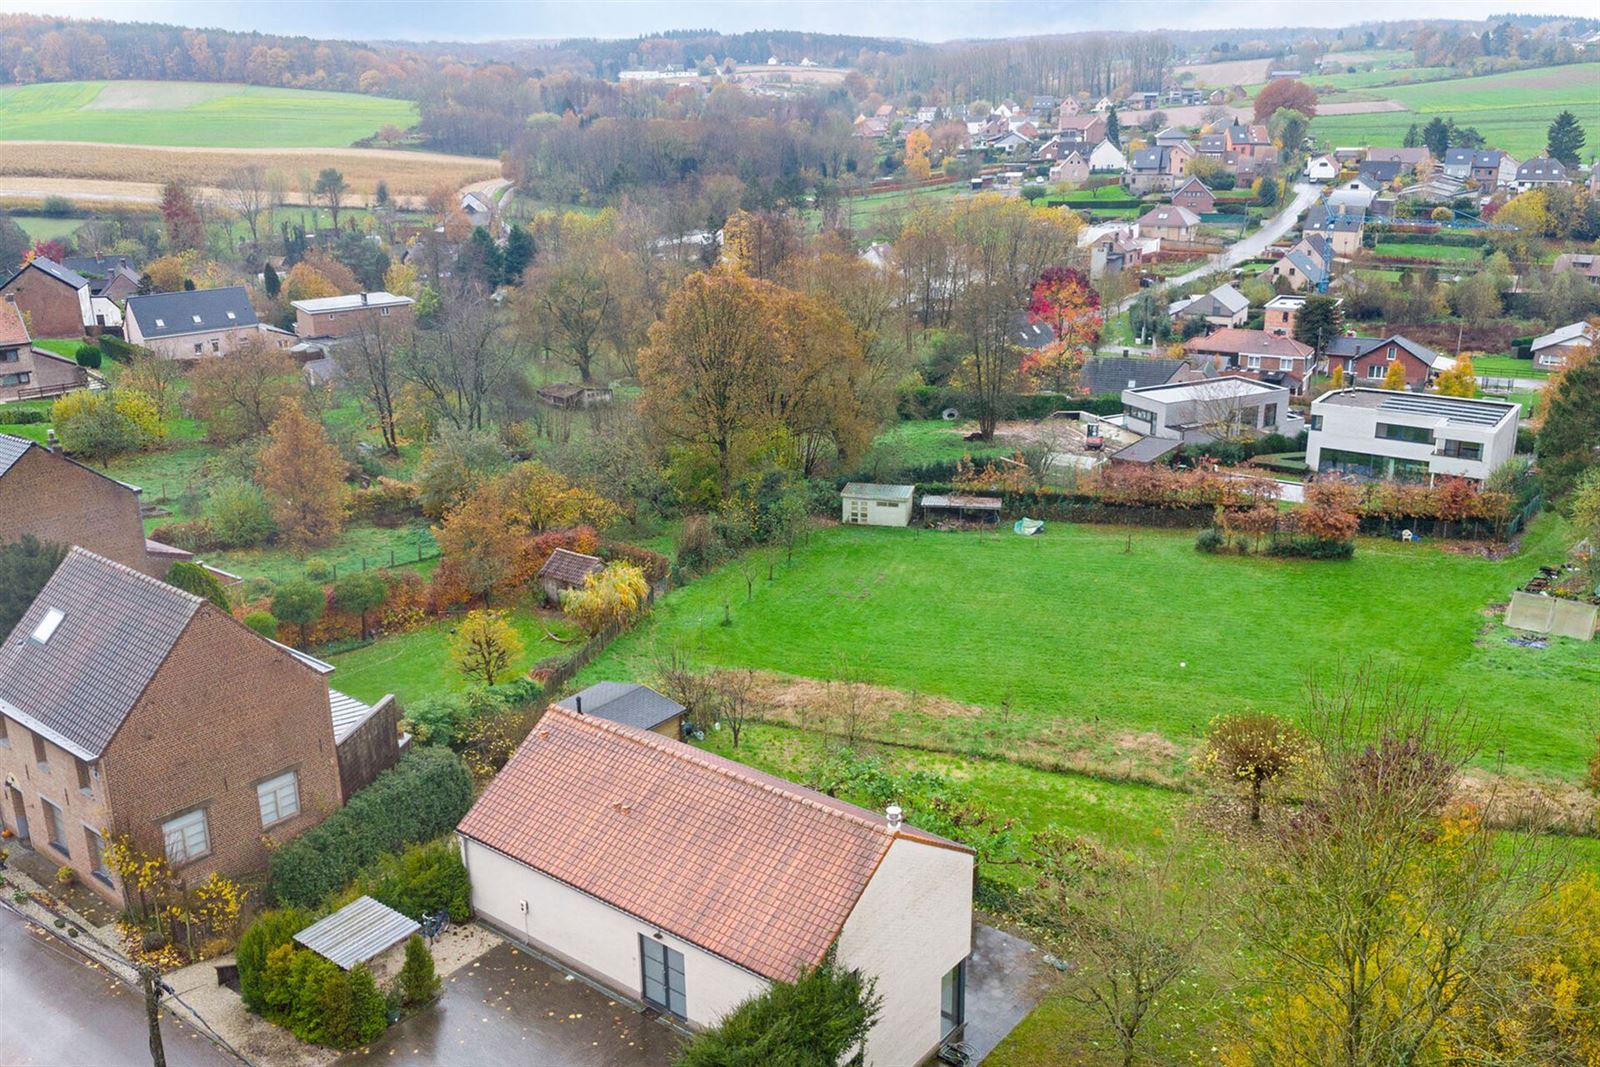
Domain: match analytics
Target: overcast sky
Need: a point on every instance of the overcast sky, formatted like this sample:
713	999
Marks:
417	20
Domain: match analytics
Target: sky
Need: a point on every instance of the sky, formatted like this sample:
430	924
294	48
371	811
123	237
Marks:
927	20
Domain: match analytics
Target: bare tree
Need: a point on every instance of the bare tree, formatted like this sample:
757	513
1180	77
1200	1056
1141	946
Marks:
467	360
677	676
736	700
848	695
1219	409
370	362
246	191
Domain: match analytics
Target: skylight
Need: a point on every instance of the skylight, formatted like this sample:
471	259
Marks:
232	316
47	625
196	319
160	323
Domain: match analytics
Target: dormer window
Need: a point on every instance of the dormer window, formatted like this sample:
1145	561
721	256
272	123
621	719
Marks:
47	625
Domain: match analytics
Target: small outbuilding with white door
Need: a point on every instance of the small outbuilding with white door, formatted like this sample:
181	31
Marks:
690	883
872	504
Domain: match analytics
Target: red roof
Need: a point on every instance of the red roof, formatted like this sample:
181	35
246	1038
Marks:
569	567
13	331
757	870
1233	340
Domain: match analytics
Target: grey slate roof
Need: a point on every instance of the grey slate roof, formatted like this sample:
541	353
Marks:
624	702
1113	374
11	450
117	628
357	932
173	314
54	270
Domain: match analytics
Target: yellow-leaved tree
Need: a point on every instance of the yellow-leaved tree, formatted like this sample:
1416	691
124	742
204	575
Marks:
919	150
302	476
1395	377
1459	380
485	646
612	597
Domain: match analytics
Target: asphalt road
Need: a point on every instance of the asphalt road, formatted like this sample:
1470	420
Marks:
61	1011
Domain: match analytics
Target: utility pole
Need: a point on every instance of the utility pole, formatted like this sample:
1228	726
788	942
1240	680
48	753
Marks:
150	981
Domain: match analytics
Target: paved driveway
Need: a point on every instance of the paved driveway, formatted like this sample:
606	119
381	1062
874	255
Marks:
509	1009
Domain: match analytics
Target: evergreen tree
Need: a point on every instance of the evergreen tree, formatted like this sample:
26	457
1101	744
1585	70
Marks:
821	1018
25	565
518	254
482	259
418	982
1436	135
1571	430
193	578
1318	322
1113	126
1565	139
1413	137
380	195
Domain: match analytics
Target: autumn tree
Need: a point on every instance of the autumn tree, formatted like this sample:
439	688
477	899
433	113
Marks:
182	219
535	498
1395	377
1288	93
1252	749
759	243
247	192
484	646
1459	380
478	545
919	149
360	593
612	597
464	361
331	188
568	300
301	474
299	602
240	396
157	377
1063	299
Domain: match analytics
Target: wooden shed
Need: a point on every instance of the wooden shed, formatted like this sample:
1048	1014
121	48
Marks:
566	569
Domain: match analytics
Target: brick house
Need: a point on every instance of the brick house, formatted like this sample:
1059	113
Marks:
198	324
55	300
1194	195
339	316
27	372
1082	129
57	500
1280	314
1367	359
1269	357
128	706
1249	141
113	278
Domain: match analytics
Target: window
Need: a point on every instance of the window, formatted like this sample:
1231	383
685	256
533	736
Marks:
663	977
1253	362
196	319
1316	422
279	798
1392	351
232	317
216	345
1417	435
199	349
97	855
186	837
85	780
953	999
22	378
41	755
57	827
1376	370
383	311
1139	414
161	323
1461	449
1269	415
5	738
1287	363
11	355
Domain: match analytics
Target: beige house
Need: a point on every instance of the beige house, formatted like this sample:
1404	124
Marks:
1556	347
1169	222
339	316
871	504
689	883
198	324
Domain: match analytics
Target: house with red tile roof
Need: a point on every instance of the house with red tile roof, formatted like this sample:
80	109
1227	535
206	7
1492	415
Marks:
689	883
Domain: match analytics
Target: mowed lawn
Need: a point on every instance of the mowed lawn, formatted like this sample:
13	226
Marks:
1511	110
1074	625
198	114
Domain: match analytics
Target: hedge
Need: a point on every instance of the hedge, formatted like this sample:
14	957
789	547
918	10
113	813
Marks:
116	348
1443	237
422	880
421	798
22	416
929	401
271	930
319	1001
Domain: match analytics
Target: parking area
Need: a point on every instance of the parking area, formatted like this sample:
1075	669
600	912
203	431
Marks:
510	1008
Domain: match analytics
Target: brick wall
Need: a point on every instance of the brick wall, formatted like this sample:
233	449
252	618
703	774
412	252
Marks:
57	781
55	499
224	712
372	748
53	308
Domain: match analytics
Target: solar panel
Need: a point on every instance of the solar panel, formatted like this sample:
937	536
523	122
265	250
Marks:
1454	410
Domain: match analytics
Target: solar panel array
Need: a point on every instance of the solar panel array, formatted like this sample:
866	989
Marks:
1446	408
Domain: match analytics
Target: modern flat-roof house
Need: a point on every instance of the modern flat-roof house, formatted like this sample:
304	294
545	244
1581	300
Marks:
1556	347
871	504
630	704
198	323
1281	313
1379	433
45	495
1194	412
339	316
690	883
56	300
27	372
128	706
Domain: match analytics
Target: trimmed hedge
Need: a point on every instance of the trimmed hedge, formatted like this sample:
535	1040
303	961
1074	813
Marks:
271	930
920	402
22	416
421	798
422	880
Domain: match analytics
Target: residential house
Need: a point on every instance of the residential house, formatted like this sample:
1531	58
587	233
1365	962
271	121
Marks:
872	504
27	372
477	207
1250	141
1171	136
1349	156
60	501
1458	163
1280	314
1583	264
566	569
1194	195
128	706
1379	433
55	300
1344	233
1379	173
198	324
1169	222
1112	374
1113	252
1493	169
631	704
574	394
1107	157
1214	146
1408	158
1228	406
1222	306
1070	105
1367	359
113	278
1272	357
1074	169
1321	169
1540	172
1307	264
1082	129
1556	347
1154	170
689	883
340	316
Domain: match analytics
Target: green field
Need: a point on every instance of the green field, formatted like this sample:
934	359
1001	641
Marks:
1511	110
194	114
45	228
1133	630
1429	253
1368	79
1507	367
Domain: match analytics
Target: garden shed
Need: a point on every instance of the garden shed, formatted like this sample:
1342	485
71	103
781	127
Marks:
960	508
357	933
566	569
872	504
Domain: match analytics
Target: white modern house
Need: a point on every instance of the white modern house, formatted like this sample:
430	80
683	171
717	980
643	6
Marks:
689	883
1379	433
1227	406
872	504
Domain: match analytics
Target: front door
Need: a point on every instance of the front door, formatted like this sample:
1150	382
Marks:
19	815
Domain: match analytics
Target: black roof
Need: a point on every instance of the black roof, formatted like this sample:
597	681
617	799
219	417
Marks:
624	702
1384	170
1113	374
101	266
54	270
173	314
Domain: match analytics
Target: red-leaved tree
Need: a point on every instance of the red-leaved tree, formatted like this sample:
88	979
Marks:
1063	299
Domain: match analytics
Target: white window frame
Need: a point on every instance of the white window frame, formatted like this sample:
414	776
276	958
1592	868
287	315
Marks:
186	837
278	798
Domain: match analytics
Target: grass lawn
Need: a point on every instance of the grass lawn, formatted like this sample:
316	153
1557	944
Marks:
61	346
1429	253
920	442
877	216
199	114
1507	367
1071	628
417	664
44	227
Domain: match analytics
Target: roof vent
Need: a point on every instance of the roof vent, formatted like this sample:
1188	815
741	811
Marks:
894	816
577	702
47	625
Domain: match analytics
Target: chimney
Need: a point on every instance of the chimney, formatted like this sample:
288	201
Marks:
363	296
51	444
894	818
577	701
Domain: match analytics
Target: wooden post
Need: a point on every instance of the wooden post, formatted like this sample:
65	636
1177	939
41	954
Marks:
150	980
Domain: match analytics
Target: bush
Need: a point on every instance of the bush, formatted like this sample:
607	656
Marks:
238	514
421	798
318	1001
193	536
1210	540
318	570
57	207
271	930
1311	548
115	348
263	623
424	879
12	416
418	982
88	356
193	578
